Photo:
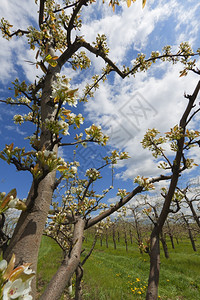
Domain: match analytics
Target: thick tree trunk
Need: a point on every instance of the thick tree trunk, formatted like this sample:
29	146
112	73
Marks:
26	238
69	265
28	232
152	290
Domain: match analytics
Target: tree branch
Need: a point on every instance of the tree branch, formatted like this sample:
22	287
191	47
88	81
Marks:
122	202
122	74
41	12
76	143
71	22
16	103
102	55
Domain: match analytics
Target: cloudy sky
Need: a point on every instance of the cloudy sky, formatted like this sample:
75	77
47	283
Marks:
125	108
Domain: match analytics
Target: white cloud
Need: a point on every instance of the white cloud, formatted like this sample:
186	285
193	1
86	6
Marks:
155	103
187	22
15	129
20	14
128	30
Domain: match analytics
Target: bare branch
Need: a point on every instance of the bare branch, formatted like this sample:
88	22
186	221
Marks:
41	12
65	7
192	116
90	252
17	33
71	22
96	51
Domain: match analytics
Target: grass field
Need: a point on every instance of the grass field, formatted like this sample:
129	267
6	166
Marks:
119	275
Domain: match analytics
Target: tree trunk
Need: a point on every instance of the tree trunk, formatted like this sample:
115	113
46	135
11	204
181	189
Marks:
131	236
164	244
78	289
106	238
190	233
192	239
26	238
196	218
152	290
125	240
170	235
114	240
69	265
172	240
101	240
118	236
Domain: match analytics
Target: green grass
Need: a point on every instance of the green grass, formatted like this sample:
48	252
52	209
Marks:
50	256
119	275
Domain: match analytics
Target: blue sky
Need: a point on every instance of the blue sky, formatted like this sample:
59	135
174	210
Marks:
124	108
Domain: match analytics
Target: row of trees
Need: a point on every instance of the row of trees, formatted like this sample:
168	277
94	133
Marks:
135	227
49	101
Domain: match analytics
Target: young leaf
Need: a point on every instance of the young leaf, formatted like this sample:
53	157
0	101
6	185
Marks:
128	3
7	199
143	3
10	267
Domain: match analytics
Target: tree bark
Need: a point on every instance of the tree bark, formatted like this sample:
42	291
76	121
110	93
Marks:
69	265
106	238
78	289
27	235
114	240
196	218
170	235
152	291
190	233
164	244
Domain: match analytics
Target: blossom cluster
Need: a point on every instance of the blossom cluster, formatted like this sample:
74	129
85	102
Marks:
22	100
93	174
94	132
11	201
144	182
23	158
178	194
15	283
61	91
57	126
152	142
75	119
115	156
19	119
175	133
49	158
122	193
